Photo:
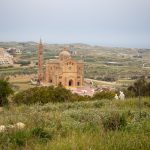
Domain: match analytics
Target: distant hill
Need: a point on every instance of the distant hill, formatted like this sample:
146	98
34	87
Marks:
33	45
82	49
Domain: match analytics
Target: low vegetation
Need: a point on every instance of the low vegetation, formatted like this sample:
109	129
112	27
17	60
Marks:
5	91
54	118
140	87
104	124
23	62
44	95
104	95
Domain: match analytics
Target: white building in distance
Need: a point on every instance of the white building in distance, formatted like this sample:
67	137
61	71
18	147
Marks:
14	51
5	58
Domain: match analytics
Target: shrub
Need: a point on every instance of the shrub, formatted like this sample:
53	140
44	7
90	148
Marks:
104	95
114	121
98	104
147	104
44	95
109	79
41	134
34	95
128	94
76	97
62	95
5	91
23	62
140	87
19	138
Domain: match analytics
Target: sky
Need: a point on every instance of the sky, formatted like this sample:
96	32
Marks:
118	23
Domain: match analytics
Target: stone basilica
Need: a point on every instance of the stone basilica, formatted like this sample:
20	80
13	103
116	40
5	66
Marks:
64	71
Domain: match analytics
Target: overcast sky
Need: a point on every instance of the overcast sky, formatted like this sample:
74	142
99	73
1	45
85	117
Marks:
121	23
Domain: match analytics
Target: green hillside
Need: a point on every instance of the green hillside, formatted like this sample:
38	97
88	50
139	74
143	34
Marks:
111	64
89	125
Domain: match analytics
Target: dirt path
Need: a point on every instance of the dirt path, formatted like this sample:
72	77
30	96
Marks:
101	82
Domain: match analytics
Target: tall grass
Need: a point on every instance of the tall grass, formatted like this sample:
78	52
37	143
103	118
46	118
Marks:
78	126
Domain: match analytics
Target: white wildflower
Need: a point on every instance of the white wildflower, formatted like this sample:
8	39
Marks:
2	128
20	125
116	97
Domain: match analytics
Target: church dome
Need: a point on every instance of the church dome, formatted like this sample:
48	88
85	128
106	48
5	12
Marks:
64	54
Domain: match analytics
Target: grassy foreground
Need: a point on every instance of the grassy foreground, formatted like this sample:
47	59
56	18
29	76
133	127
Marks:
77	126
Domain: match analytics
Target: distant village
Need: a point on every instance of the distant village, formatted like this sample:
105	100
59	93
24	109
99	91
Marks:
7	56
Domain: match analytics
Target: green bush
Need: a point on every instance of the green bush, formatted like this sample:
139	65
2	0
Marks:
140	87
41	133
14	138
5	91
128	93
76	97
62	95
147	104
98	104
104	95
23	62
114	121
19	138
44	95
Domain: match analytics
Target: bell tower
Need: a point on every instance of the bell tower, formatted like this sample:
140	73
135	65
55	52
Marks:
40	62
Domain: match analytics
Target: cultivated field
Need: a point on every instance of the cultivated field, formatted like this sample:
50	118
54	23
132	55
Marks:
121	66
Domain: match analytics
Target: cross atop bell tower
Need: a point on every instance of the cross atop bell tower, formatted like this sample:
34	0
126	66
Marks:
40	62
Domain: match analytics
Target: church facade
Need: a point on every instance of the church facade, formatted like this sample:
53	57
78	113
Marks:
65	71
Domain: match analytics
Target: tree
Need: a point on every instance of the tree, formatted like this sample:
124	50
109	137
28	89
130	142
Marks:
5	91
104	95
140	87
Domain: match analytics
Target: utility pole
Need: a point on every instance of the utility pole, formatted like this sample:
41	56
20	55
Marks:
40	62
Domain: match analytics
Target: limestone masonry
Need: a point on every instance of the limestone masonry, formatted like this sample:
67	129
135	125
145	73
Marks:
65	71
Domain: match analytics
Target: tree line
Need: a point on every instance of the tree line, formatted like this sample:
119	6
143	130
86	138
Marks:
141	87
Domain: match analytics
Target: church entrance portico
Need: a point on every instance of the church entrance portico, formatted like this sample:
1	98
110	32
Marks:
70	83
